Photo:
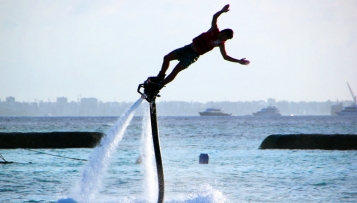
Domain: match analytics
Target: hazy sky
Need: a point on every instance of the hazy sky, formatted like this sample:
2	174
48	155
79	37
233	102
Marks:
299	50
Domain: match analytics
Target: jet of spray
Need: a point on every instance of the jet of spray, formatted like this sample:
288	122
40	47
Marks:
147	159
99	159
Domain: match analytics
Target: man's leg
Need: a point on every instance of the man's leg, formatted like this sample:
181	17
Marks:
179	67
166	63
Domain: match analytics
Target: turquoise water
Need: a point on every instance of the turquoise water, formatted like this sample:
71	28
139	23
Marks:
237	171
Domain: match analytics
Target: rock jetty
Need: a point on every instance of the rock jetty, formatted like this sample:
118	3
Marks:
311	141
13	140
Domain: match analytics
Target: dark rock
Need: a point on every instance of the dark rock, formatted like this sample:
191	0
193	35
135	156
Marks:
311	141
15	140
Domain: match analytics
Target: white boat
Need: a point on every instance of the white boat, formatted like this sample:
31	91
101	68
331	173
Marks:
268	111
349	110
213	112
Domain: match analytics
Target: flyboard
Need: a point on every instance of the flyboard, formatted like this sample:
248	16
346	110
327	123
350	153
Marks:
150	93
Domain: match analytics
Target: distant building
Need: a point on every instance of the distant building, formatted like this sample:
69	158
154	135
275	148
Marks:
89	106
62	100
271	101
336	108
10	100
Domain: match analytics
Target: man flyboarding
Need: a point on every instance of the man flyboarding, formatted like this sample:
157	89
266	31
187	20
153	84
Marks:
200	45
186	55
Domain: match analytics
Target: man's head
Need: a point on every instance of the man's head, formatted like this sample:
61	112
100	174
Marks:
226	34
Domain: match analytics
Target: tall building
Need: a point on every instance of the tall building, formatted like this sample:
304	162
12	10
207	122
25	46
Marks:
10	100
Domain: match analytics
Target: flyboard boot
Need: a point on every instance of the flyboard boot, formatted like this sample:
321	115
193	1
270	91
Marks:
152	87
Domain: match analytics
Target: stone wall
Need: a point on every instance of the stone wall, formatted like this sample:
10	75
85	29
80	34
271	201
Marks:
15	140
311	141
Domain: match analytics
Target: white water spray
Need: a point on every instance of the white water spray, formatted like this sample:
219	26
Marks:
147	159
88	187
99	159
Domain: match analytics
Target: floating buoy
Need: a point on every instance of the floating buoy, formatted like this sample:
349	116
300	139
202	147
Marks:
203	158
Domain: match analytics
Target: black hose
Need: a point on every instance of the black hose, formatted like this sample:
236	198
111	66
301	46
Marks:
156	142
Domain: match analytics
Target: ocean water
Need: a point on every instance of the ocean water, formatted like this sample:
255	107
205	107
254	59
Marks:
237	171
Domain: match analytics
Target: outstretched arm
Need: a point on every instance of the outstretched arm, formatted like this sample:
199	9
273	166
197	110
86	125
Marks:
242	61
216	15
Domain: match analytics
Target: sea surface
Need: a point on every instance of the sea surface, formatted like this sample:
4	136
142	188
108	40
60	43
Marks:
238	171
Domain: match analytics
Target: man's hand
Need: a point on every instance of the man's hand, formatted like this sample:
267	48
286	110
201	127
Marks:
243	61
216	15
225	8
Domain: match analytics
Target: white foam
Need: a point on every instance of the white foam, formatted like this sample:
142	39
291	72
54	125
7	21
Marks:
208	195
147	154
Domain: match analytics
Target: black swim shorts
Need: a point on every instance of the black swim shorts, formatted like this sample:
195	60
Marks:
186	55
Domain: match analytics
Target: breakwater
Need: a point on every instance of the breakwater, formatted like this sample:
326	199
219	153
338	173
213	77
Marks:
311	141
35	140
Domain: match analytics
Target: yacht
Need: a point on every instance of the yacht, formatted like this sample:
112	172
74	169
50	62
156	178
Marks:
349	110
213	112
268	111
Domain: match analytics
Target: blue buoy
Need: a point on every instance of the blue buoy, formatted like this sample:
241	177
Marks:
204	158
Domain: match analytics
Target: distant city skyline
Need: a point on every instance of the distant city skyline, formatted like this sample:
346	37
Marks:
299	50
94	107
160	100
